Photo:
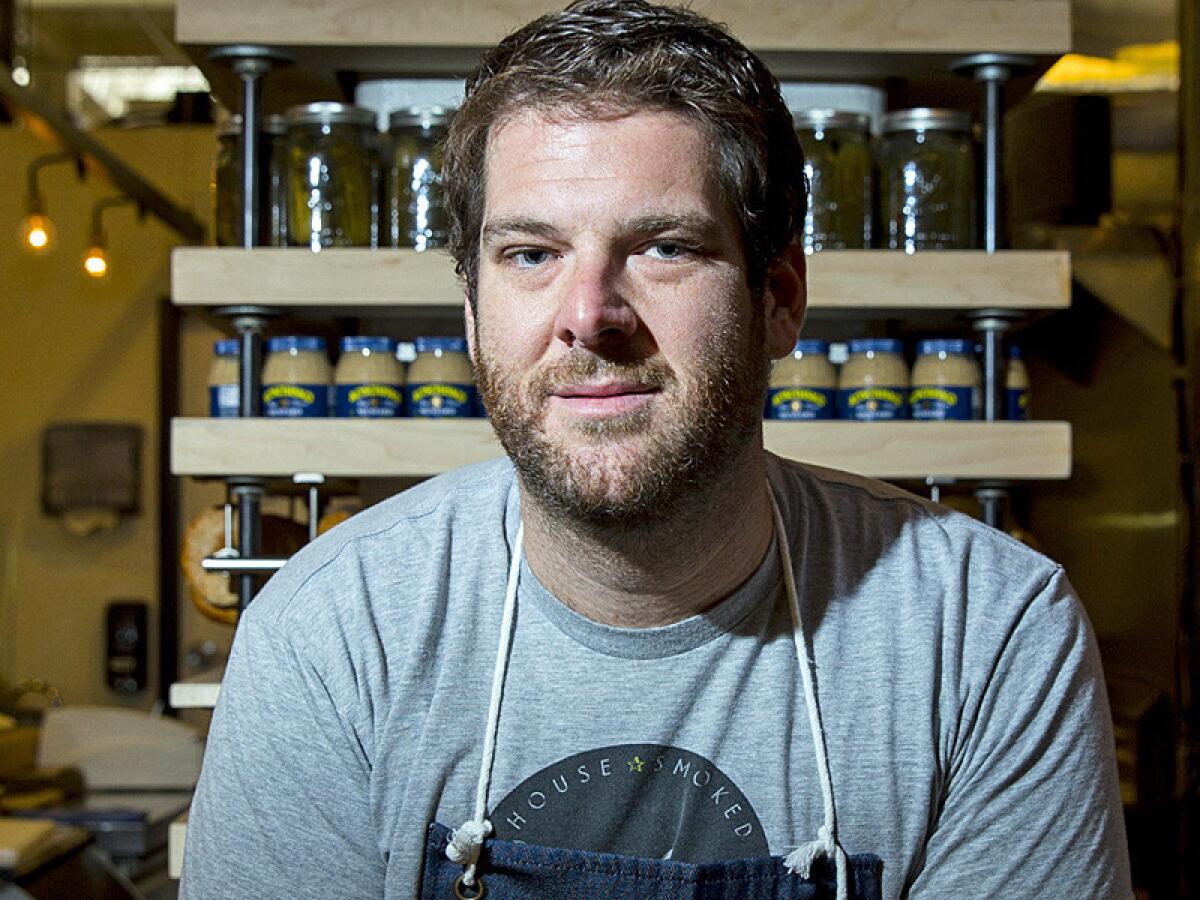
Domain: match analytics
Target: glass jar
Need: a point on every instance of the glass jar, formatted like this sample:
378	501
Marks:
1016	386
223	380
803	384
946	384
927	180
416	208
297	379
272	216
873	384
441	382
332	175
368	380
837	162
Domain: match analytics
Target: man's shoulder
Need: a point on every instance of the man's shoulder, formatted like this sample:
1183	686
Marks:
872	516
396	540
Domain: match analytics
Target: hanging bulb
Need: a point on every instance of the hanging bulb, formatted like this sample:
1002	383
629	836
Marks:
96	262
37	234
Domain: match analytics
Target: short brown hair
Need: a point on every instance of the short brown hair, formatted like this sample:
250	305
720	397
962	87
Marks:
626	55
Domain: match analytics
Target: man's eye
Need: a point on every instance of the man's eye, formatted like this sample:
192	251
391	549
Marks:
529	259
666	250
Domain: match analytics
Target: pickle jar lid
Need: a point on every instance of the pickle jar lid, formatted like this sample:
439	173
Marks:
923	118
226	347
953	347
452	344
831	118
421	117
296	343
876	345
330	114
813	346
359	343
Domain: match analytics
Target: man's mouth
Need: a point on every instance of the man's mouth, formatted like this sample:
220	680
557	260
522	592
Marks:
603	398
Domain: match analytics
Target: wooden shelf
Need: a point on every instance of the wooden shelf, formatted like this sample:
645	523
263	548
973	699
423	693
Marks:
361	279
797	38
194	695
176	839
411	447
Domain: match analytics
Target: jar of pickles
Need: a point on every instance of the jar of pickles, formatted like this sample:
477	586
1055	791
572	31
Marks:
927	180
272	179
332	175
415	206
841	184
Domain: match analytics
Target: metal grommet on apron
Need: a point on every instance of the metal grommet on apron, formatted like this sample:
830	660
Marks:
466	843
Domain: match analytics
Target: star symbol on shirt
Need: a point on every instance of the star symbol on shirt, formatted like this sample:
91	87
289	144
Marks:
636	764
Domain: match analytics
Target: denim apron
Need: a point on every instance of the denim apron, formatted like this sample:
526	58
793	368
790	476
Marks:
464	864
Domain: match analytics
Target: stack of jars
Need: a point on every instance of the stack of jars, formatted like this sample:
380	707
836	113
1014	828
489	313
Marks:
333	180
370	381
875	383
924	168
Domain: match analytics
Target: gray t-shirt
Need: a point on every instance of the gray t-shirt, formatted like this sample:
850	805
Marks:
958	678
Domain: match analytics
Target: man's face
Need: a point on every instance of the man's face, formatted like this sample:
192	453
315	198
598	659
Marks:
617	345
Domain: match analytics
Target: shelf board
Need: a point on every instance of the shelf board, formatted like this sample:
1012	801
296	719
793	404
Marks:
176	839
797	38
362	279
412	448
194	694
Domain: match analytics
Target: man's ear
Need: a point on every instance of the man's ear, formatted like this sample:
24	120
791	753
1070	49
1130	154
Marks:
785	301
469	321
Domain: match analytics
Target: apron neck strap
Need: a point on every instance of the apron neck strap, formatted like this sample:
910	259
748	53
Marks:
467	841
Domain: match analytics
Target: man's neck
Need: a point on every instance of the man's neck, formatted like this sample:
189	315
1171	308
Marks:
663	574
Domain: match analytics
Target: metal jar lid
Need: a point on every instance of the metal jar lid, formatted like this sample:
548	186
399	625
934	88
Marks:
330	114
274	125
420	117
831	118
925	119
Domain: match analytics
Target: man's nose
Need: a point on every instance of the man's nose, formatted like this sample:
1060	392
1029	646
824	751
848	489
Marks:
594	311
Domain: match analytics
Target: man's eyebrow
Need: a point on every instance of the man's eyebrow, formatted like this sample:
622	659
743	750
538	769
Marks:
657	223
517	225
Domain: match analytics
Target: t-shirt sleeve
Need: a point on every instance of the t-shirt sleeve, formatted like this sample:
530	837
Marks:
1032	805
282	805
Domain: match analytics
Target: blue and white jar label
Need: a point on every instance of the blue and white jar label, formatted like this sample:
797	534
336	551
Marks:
294	401
223	401
1017	403
438	400
368	401
942	404
873	404
800	404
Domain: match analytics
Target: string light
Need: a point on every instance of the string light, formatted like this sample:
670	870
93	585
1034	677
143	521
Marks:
95	263
37	231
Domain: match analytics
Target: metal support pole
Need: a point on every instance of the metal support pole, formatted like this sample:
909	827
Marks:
992	324
250	62
1187	355
248	493
992	70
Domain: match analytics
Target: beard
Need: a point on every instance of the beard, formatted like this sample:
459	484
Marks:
633	471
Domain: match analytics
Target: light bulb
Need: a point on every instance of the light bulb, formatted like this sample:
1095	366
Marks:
96	262
37	234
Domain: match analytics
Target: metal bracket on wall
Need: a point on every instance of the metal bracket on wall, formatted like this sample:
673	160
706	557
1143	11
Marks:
49	122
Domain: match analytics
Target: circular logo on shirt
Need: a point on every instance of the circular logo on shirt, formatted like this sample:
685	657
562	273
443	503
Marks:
645	800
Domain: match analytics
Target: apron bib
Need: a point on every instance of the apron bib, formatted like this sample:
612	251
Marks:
465	864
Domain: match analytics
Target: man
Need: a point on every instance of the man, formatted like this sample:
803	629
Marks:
640	634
